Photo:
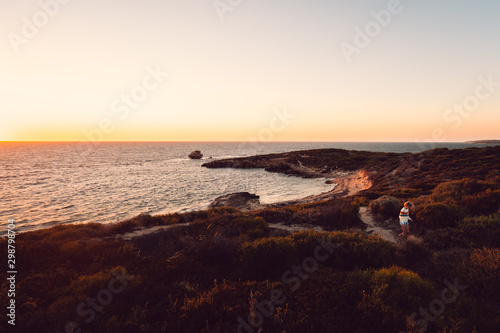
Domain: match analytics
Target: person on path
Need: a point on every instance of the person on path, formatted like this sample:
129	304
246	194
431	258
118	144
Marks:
404	218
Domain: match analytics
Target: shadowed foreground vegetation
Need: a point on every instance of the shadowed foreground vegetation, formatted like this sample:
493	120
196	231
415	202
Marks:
227	271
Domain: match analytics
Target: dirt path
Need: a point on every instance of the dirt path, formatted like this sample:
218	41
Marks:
149	230
296	227
375	228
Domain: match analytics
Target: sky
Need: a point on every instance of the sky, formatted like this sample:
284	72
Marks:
246	70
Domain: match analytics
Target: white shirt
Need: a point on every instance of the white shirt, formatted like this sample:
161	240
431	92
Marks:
404	215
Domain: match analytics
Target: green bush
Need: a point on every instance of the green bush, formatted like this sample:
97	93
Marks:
437	215
277	215
357	301
336	214
482	273
221	308
348	250
482	230
486	202
395	293
445	239
267	258
385	206
479	197
253	227
413	251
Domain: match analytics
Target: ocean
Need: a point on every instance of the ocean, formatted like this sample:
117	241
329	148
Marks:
46	184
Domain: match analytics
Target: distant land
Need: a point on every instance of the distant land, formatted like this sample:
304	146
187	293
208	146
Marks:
486	142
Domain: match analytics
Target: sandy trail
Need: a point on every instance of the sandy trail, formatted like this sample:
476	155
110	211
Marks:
374	227
296	227
149	230
365	215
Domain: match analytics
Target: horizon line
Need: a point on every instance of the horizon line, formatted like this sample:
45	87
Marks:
231	141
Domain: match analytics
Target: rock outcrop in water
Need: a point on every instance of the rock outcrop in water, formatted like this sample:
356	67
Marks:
196	155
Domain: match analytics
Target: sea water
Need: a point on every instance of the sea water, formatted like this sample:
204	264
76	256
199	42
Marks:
45	184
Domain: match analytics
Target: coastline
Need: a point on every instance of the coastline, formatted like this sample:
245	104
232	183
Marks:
47	198
347	183
350	171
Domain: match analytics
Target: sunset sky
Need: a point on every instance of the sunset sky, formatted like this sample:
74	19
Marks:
282	70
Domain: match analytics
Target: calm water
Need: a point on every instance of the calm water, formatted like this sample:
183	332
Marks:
43	184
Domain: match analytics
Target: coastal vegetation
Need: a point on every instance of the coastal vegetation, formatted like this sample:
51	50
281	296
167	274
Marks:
224	270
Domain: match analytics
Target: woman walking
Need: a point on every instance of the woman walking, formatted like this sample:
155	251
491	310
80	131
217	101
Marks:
404	218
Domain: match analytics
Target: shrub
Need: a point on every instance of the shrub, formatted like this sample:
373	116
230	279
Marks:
253	227
445	239
222	211
385	206
360	201
219	309
350	250
357	301
483	230
125	226
267	258
437	215
277	215
394	294
413	251
482	273
480	223
479	197
486	202
337	214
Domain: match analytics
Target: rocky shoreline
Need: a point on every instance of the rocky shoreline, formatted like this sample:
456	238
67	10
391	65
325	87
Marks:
372	173
346	170
314	163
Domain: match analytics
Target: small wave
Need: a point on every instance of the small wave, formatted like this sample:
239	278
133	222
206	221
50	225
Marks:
8	176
